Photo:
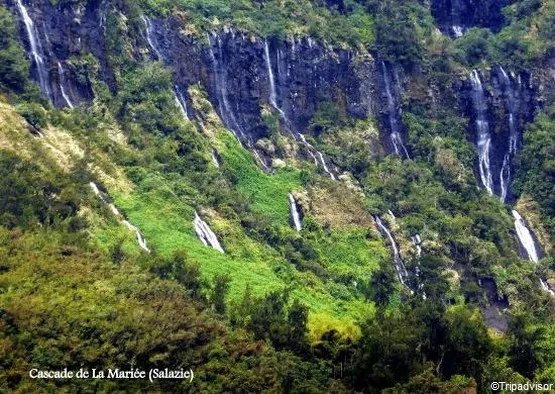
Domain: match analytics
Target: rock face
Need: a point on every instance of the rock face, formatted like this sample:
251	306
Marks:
455	16
243	74
62	31
508	104
233	68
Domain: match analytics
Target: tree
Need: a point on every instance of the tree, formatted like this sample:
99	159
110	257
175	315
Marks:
219	293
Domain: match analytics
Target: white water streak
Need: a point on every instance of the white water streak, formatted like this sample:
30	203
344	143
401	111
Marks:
36	49
205	234
61	76
140	239
484	136
295	216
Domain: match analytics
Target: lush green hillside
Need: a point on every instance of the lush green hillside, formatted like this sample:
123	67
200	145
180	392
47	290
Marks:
169	126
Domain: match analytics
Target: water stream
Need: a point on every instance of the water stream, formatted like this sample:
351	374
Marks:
37	54
294	211
482	127
140	239
393	114
61	76
205	234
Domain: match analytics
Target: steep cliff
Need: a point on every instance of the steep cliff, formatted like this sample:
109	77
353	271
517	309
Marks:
295	170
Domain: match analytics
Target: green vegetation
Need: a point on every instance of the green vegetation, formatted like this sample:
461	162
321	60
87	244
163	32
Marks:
316	310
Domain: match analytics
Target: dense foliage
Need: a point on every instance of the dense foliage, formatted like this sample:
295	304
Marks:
320	310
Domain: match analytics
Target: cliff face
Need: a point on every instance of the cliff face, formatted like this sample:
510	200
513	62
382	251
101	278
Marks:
292	77
56	33
241	73
455	16
509	103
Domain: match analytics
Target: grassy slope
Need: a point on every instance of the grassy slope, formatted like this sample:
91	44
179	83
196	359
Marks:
166	222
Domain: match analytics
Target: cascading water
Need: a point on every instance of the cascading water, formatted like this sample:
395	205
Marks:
295	215
417	242
205	234
402	273
220	82
458	30
324	165
37	55
215	159
140	239
181	103
512	107
525	237
61	76
316	155
529	245
273	92
152	41
484	137
394	121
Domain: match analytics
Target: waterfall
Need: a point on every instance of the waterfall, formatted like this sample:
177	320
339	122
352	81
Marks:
61	76
324	165
228	118
394	121
529	245
37	54
151	38
512	107
402	273
309	148
273	93
295	216
484	138
205	234
317	156
181	103
458	30
417	242
525	237
140	239
215	159
390	213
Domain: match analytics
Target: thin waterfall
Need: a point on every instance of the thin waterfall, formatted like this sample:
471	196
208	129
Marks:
394	121
273	93
181	103
205	234
402	273
512	107
309	148
316	155
417	242
228	118
390	213
484	137
458	30
152	41
140	238
295	216
529	245
324	165
61	77
37	55
215	160
525	237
